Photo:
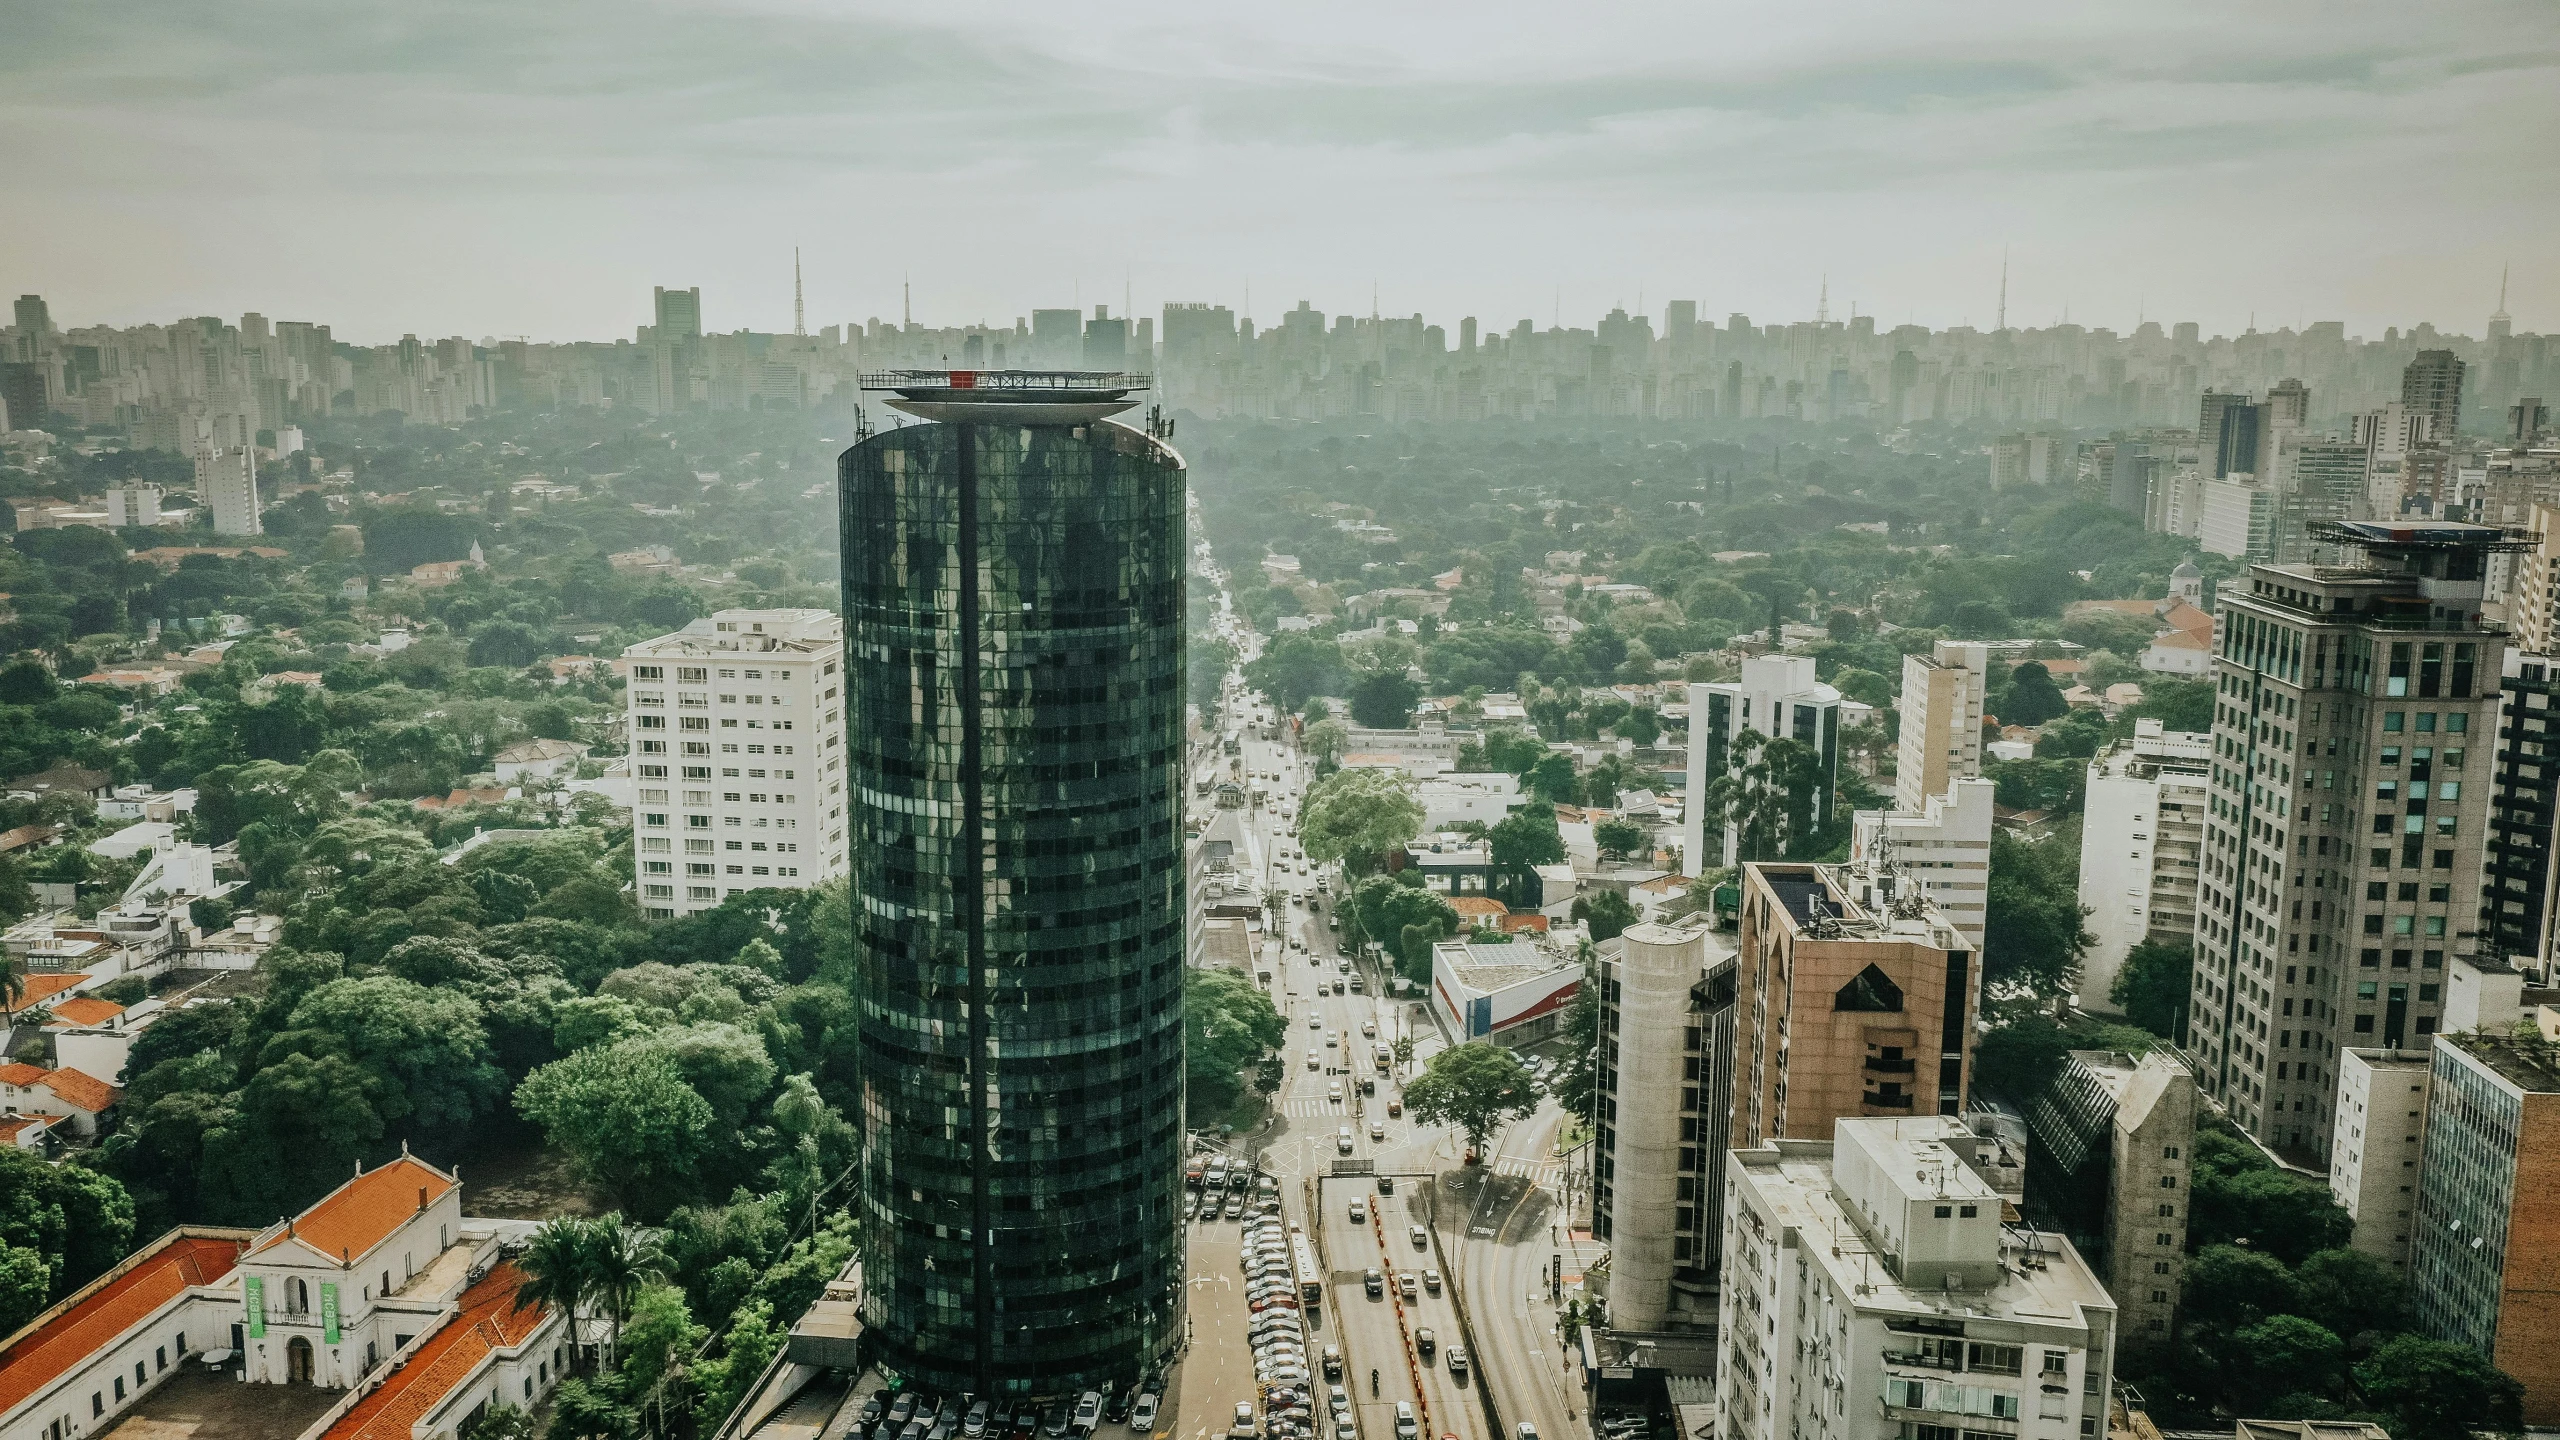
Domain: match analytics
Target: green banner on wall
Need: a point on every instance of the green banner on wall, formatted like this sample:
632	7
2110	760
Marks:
253	1290
329	1313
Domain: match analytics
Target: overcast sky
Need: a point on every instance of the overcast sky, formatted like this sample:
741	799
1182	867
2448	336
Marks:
532	167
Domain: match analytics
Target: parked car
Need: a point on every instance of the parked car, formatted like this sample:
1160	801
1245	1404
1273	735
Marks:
1333	1364
902	1409
1142	1416
1243	1425
1088	1412
979	1414
1054	1423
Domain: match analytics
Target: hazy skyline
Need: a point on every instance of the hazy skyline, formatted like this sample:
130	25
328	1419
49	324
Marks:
483	169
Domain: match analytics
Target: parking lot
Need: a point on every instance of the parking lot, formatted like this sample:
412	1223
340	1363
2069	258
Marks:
1385	1333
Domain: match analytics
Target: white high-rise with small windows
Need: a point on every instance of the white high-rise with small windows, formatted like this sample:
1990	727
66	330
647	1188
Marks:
737	751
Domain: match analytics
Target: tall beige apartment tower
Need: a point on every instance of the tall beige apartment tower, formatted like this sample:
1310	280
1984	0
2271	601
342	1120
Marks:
1942	696
2355	725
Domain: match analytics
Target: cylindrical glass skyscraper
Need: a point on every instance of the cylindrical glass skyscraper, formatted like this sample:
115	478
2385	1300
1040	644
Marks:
1013	593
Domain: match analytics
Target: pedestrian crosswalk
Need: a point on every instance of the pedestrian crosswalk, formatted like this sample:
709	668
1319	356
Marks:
1306	1107
1541	1172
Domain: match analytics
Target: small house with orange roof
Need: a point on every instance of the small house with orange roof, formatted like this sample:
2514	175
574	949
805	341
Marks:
79	1101
25	1132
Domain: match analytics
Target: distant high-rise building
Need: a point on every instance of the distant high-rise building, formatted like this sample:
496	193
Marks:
1057	338
2354	719
2526	419
1013	574
1942	848
2227	431
133	504
23	394
679	313
1680	324
1106	342
734	753
34	317
227	484
2432	386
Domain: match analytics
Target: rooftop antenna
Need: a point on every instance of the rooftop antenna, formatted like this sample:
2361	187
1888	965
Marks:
906	303
799	315
1822	307
1248	297
2004	291
2502	296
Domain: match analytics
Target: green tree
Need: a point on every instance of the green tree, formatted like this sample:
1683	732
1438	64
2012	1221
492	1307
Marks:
1324	741
1576	1075
1524	840
628	1122
2233	1288
1473	1087
2155	985
1766	797
753	1338
1228	1024
2350	1292
1384	699
1294	667
26	1286
2030	698
558	1272
1358	816
1554	780
424	1051
2436	1390
1606	912
2288	1353
1618	837
2034	937
622	1259
2236	1196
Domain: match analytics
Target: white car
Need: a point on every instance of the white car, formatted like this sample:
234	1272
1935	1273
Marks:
1342	1137
1142	1416
1315	1060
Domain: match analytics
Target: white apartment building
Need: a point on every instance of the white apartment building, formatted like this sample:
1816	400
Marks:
1871	1292
2373	1161
1457	797
130	505
227	485
737	751
1945	848
2141	848
1777	696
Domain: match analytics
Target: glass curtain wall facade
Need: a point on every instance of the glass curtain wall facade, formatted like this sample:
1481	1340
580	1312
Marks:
1013	627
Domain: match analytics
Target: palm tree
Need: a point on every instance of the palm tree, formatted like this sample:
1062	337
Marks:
621	1257
13	990
559	1270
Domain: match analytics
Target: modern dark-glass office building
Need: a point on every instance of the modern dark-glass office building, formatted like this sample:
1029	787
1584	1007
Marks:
1013	593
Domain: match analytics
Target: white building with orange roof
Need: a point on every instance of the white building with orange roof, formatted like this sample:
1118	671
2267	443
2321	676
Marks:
382	1302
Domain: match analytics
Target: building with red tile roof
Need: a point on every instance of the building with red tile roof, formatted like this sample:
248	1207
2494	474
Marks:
380	1291
345	1226
24	1132
67	1362
446	1372
41	987
72	1095
85	1010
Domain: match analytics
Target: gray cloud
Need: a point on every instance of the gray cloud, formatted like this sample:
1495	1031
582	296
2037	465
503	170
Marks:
485	167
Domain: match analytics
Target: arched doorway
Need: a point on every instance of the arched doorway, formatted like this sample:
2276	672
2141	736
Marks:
297	1361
